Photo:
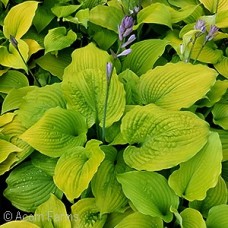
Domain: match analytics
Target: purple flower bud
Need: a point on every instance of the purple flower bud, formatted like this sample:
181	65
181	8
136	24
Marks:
200	25
212	33
13	41
129	41
125	52
126	27
109	69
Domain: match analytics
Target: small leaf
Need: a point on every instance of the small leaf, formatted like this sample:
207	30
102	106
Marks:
149	192
6	118
192	218
86	214
136	220
58	39
58	131
220	115
223	135
161	139
28	187
19	224
196	176
222	66
165	85
85	92
217	217
19	19
64	11
144	55
52	213
33	46
76	168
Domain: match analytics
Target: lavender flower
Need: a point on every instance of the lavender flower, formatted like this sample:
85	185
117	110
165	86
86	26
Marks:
13	41
124	53
109	70
129	41
212	33
200	25
135	10
126	27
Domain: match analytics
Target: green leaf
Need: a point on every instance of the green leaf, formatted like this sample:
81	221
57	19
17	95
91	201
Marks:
215	5
100	15
215	196
28	187
6	148
88	57
137	219
12	58
64	11
223	135
221	18
86	214
58	131
52	213
161	139
55	64
192	218
37	101
194	177
152	14
12	79
144	55
58	39
19	19
106	189
217	217
5	2
220	115
165	85
19	224
222	66
76	168
85	92
6	118
149	192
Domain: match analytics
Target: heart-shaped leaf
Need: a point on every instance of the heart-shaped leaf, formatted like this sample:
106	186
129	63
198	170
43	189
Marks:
85	92
160	138
58	131
165	85
194	177
149	192
76	168
19	19
28	187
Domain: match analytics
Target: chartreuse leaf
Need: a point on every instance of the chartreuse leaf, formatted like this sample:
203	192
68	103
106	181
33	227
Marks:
6	118
220	115
5	2
76	168
12	79
165	85
192	218
85	92
19	19
86	214
194	177
51	213
217	217
7	148
161	139
33	45
222	66
14	98
58	39
100	15
64	11
88	57
58	131
37	101
12	58
152	14
149	192
215	196
19	224
28	187
137	219
106	189
144	55
223	135
215	5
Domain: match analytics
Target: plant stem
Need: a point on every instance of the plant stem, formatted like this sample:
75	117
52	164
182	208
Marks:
199	52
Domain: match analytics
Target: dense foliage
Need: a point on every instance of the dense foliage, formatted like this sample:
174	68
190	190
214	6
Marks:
114	113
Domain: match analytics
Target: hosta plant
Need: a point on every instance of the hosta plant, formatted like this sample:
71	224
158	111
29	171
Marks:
114	113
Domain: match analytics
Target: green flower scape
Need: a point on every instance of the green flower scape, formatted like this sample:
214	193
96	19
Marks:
114	113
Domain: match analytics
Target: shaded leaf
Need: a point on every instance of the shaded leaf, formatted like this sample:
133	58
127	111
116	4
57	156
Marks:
220	115
19	224
149	192
64	11
222	66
